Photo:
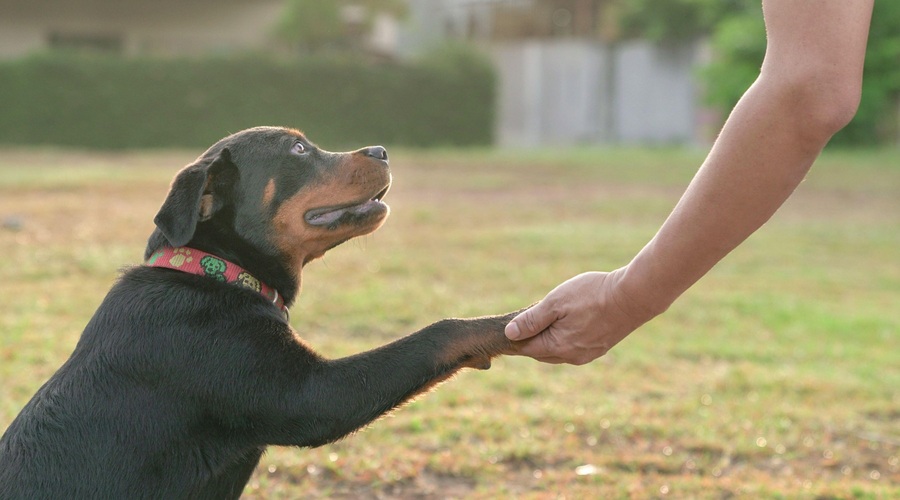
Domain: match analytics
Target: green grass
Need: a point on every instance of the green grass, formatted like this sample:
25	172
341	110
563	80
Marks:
775	376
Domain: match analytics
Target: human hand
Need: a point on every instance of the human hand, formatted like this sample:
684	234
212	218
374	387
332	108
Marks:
578	321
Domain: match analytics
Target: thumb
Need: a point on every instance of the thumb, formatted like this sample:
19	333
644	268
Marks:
530	322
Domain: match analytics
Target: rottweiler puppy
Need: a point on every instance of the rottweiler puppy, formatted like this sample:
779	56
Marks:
189	368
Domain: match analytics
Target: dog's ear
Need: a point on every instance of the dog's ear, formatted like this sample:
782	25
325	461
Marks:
198	192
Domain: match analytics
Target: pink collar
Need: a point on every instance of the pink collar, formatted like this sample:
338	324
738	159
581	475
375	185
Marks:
193	261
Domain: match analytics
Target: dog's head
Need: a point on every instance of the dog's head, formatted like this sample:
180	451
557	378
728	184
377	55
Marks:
272	192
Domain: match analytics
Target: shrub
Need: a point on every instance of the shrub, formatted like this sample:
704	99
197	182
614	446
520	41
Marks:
447	98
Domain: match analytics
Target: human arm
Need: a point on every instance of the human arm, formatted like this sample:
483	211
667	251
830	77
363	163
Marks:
808	89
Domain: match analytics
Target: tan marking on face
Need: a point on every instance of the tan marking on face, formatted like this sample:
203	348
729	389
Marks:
301	242
269	193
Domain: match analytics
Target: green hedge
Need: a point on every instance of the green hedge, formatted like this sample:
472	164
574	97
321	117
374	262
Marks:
444	99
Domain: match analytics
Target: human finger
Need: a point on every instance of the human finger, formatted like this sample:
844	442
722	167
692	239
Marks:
531	322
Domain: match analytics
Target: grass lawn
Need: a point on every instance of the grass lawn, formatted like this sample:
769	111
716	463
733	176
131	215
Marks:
778	375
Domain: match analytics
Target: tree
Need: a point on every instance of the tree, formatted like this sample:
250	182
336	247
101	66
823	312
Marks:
675	20
738	43
877	119
312	25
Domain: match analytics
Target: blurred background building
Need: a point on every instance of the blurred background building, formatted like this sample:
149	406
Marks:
566	77
130	27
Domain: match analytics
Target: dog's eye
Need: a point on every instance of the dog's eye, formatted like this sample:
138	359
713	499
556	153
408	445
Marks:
298	148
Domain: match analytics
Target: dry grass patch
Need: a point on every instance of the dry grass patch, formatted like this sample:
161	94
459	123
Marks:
777	375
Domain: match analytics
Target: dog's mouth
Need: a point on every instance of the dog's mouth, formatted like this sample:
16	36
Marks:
328	216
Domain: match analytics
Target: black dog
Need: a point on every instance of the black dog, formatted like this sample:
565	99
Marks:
189	368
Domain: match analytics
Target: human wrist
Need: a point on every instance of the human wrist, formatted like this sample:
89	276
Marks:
642	297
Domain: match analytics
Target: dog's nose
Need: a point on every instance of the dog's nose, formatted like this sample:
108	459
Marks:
377	152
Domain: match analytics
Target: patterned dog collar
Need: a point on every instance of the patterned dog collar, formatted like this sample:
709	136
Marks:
193	261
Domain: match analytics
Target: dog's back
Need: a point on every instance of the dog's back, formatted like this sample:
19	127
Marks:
117	408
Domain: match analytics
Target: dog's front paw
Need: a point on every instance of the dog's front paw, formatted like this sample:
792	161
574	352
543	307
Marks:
476	362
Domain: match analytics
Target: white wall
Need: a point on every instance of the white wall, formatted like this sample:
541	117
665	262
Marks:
565	92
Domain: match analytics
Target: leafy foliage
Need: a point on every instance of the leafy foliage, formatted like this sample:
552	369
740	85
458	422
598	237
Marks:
877	119
313	25
676	20
738	42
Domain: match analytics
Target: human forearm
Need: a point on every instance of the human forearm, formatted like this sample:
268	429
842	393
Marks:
753	168
808	89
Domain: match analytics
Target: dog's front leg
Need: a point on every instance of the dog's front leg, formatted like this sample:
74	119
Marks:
340	396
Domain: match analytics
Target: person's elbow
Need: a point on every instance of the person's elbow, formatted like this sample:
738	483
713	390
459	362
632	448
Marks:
823	100
834	101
